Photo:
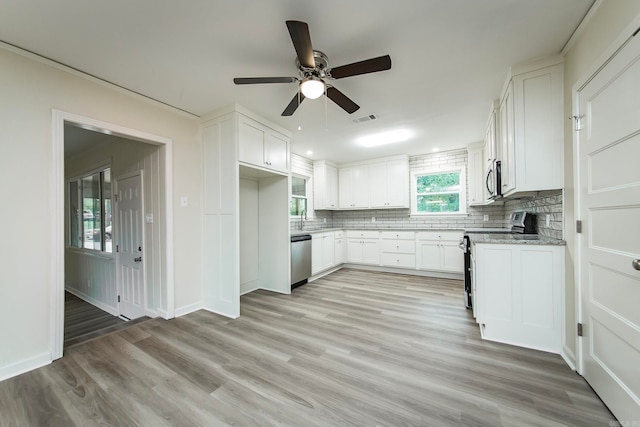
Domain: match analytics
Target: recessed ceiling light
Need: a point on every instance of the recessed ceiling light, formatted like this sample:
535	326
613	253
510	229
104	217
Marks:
309	152
435	149
384	138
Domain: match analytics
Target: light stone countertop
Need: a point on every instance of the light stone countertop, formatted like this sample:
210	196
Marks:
514	239
323	230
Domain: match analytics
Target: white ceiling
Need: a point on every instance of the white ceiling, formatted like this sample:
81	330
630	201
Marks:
450	58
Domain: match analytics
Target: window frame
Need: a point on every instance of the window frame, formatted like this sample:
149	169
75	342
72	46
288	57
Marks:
462	192
307	181
100	170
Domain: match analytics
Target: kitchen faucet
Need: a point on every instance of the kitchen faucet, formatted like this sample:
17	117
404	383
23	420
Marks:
303	213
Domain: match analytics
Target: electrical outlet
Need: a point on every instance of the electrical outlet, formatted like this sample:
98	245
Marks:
184	201
324	220
373	219
485	217
548	220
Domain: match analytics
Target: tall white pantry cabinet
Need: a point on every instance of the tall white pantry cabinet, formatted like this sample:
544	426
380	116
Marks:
240	145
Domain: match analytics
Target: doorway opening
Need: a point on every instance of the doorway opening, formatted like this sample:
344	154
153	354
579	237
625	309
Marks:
88	239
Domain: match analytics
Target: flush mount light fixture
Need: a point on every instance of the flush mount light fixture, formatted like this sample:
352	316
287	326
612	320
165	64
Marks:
435	149
312	87
309	152
384	138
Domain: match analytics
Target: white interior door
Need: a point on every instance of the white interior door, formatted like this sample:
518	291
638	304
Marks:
609	171
129	239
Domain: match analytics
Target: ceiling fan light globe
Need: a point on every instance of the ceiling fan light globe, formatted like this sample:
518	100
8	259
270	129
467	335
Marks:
312	88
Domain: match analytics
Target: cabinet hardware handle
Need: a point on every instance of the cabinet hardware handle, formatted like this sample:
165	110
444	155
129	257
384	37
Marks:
636	264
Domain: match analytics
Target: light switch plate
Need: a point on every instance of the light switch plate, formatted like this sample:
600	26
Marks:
485	217
548	220
148	218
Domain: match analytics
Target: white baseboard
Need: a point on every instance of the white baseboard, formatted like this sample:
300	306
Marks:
164	314
251	286
569	357
102	306
23	366
181	311
210	310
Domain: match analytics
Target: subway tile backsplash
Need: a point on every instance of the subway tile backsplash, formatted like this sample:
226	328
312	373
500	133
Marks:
547	202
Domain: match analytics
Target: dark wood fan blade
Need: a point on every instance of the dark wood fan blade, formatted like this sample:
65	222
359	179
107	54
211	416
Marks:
342	100
372	65
293	105
299	32
257	80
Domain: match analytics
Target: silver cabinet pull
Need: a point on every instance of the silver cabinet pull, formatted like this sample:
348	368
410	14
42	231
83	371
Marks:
636	264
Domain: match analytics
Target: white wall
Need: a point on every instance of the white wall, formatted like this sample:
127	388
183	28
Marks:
30	90
601	30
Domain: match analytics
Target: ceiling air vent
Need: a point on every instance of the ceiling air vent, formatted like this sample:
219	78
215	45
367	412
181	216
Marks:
365	118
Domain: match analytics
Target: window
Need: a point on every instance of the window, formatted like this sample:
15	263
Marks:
438	191
90	212
298	196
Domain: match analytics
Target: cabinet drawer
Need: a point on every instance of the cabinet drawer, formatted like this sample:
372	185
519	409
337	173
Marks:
339	234
453	236
399	260
399	246
403	235
366	234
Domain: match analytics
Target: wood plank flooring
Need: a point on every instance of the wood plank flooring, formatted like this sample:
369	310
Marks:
354	348
83	321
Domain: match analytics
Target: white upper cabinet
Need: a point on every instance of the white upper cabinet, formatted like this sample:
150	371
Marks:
354	187
389	184
261	146
325	185
531	129
376	184
476	168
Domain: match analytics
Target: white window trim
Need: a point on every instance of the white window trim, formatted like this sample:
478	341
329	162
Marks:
440	169
308	191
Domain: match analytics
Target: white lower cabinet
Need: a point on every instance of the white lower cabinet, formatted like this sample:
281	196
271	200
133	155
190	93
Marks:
322	251
339	247
439	251
363	247
398	249
519	294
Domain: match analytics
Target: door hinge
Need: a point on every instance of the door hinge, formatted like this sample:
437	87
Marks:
579	329
577	122
117	248
115	198
118	298
578	226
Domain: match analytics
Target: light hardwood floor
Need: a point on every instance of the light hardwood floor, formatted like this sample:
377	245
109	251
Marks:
354	348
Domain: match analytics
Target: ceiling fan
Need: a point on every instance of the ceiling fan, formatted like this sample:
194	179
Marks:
314	72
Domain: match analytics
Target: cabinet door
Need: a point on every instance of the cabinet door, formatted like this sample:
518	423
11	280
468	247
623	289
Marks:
328	251
360	186
476	175
252	137
371	252
398	184
378	195
452	257
507	140
345	198
276	151
316	253
339	251
354	251
428	255
331	187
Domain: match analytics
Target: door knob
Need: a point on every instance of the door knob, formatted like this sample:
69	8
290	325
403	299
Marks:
636	264
139	259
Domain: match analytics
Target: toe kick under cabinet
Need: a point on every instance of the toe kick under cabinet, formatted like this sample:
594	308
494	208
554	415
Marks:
519	294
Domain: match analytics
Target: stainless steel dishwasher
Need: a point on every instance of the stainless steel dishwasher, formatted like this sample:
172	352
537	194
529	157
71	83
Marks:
300	259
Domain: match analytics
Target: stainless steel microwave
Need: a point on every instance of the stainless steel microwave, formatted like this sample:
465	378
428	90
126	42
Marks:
493	180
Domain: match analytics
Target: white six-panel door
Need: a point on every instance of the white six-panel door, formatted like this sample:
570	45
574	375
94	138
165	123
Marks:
609	199
129	243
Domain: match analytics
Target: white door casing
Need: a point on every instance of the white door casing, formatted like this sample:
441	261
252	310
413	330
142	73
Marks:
608	202
129	240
